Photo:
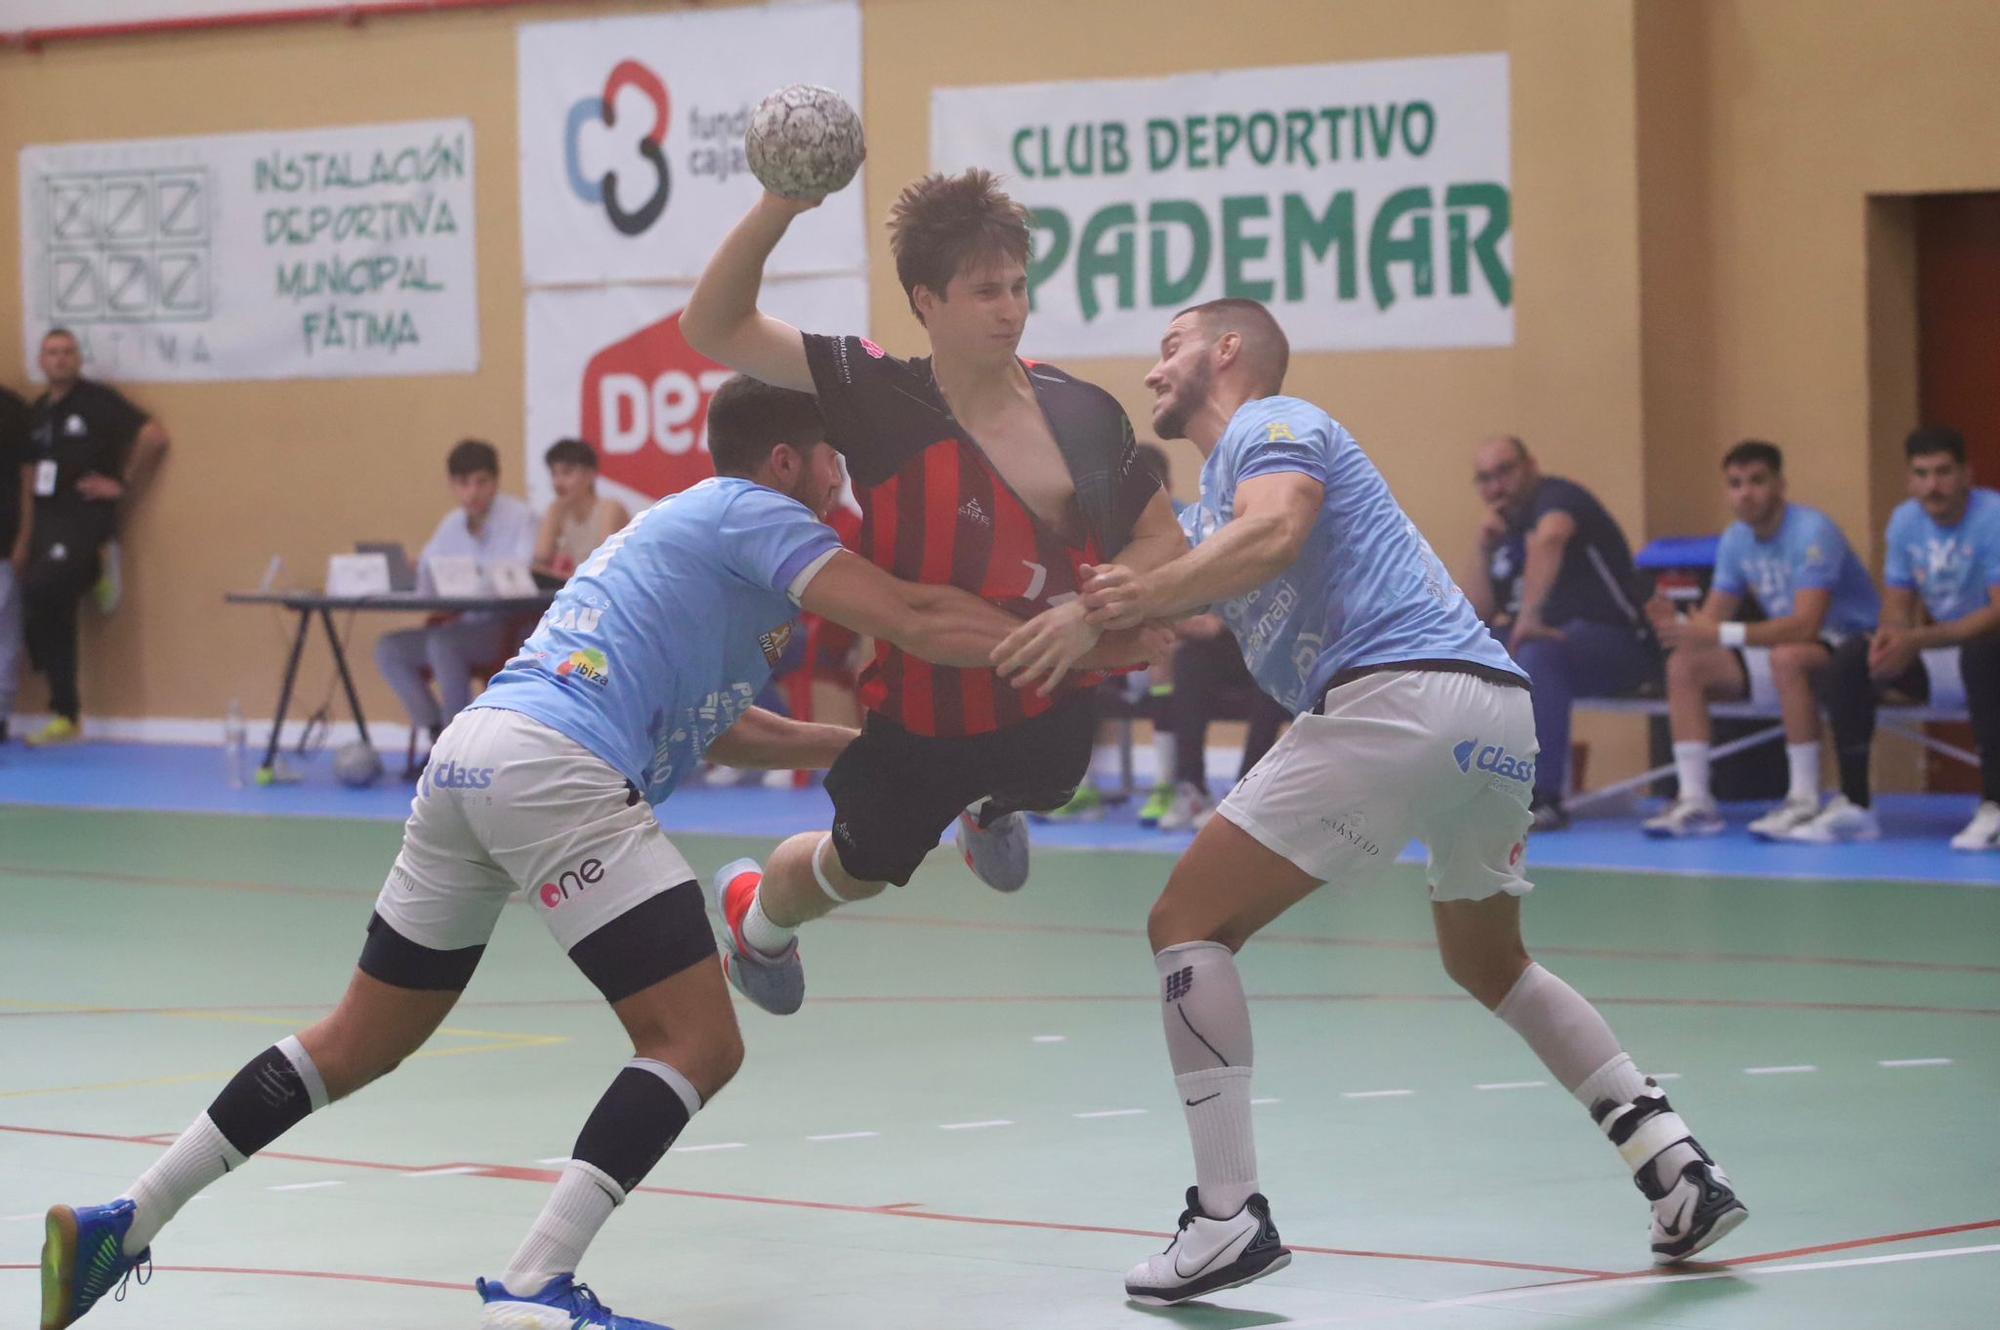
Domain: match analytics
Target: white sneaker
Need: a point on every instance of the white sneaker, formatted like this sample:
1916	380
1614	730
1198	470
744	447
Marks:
1696	1212
1791	813
1983	832
1839	821
1687	817
1191	808
1209	1255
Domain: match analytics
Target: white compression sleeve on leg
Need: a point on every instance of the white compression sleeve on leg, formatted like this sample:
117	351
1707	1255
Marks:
1207	1022
1565	1031
819	873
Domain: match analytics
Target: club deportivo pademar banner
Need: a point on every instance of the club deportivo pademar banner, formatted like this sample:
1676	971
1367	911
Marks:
1368	203
321	253
609	364
632	165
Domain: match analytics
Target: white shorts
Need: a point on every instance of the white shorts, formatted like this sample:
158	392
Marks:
1947	681
507	802
1763	684
1448	759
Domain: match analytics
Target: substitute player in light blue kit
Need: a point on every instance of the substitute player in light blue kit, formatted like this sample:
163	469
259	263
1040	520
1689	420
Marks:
647	660
1814	595
1411	722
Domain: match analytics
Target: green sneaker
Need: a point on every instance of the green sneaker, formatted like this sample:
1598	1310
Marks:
1086	805
1156	805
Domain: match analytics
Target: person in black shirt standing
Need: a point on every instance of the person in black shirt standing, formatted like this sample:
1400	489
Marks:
16	508
87	448
1553	579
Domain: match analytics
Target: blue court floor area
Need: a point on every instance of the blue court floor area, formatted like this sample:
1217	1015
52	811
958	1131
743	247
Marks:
184	779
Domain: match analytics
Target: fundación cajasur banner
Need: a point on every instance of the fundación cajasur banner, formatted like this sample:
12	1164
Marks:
1368	203
321	253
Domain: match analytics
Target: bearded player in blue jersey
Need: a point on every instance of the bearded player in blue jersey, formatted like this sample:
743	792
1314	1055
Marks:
647	660
1412	721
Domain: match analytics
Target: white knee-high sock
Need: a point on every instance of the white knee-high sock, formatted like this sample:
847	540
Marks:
1691	766
1577	1046
583	1199
270	1095
193	1163
1803	761
1207	1022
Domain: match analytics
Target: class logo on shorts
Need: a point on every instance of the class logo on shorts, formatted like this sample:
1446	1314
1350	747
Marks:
449	775
1495	759
571	882
588	664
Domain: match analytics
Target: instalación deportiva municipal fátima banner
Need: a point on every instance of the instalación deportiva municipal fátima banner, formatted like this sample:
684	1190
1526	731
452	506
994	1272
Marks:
1369	204
322	253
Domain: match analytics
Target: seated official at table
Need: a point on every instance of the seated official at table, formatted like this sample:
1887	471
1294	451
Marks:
490	527
579	520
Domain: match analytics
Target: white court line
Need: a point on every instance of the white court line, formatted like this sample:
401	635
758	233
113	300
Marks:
1665	1075
15	1219
1778	1071
1640	1281
1511	1085
719	1145
843	1136
1259	1103
454	1170
1376	1094
1915	1062
304	1186
1111	1113
1051	1038
559	1159
975	1126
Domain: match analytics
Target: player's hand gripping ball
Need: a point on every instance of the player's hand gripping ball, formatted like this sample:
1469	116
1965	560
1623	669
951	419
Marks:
804	142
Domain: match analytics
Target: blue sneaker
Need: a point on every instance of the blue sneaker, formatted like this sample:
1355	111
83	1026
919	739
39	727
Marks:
563	1305
83	1258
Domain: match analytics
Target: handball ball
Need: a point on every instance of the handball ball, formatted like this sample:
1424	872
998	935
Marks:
357	764
804	142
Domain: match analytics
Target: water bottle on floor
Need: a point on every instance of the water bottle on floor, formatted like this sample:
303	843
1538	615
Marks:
233	742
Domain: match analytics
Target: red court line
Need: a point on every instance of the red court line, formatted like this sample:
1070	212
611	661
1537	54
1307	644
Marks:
396	1280
1824	1247
900	1210
1033	999
1097	930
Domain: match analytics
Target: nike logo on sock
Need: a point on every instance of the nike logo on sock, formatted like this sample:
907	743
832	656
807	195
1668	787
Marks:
1192	1103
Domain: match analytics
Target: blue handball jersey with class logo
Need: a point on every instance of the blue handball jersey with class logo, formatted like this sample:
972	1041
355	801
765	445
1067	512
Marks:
1806	553
1366	589
667	632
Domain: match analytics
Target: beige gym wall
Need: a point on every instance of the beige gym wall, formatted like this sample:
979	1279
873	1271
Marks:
1689	249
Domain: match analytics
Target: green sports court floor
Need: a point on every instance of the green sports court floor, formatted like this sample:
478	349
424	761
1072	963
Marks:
971	1124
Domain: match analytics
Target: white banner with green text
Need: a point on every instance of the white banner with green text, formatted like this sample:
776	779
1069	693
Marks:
1369	204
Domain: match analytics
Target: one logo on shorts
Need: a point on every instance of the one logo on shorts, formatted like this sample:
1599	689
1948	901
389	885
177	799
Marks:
572	882
1495	759
450	775
1180	983
1514	855
588	664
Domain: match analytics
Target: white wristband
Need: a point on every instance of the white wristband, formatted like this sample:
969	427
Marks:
1732	634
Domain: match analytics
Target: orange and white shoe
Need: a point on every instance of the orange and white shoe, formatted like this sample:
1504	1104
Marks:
775	983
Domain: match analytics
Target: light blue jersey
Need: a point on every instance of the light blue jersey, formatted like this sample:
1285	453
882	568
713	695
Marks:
1953	568
1365	590
661	640
1806	553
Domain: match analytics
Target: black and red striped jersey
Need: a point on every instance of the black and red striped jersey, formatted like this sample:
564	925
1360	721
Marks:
935	510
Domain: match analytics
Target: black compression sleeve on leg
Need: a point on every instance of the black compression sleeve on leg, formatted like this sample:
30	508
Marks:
634	1123
1850	705
654	940
266	1099
395	960
1979	666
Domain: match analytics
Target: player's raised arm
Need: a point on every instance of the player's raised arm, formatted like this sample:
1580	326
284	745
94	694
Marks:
722	320
940	624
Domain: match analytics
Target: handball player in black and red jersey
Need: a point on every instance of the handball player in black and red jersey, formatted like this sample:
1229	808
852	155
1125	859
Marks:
974	468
